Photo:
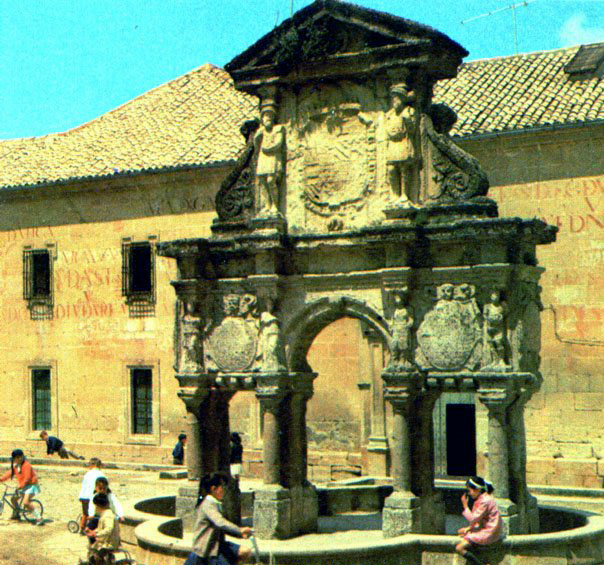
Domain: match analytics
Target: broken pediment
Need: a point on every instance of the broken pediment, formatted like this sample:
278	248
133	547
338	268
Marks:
332	39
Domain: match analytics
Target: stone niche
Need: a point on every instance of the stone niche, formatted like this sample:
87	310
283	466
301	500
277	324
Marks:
351	199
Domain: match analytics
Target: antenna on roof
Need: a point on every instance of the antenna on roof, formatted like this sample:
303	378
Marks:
510	7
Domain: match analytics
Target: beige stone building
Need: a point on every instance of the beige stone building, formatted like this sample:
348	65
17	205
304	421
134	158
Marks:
89	314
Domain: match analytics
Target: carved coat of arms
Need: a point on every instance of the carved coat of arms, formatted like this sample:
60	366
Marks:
232	344
449	337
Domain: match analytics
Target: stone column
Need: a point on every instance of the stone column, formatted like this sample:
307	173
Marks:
497	401
271	438
432	505
272	501
519	493
303	495
193	448
401	512
378	452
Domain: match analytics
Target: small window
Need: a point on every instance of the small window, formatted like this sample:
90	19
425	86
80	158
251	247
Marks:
38	282
138	277
142	400
41	409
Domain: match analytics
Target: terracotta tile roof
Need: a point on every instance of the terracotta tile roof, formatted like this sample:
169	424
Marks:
521	91
173	125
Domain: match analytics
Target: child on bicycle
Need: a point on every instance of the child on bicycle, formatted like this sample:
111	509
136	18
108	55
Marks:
106	535
27	480
209	545
101	485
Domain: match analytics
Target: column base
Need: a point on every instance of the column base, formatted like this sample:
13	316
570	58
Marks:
378	454
432	514
281	513
512	520
532	512
401	514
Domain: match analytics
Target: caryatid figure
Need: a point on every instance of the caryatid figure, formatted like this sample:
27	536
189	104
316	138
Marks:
269	142
494	313
402	158
402	322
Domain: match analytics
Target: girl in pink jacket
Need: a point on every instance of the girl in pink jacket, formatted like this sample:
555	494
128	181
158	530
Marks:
485	525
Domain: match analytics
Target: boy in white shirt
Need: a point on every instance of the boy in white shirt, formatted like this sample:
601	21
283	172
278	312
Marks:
88	485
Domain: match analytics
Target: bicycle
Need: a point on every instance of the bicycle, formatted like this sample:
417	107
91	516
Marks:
74	525
17	509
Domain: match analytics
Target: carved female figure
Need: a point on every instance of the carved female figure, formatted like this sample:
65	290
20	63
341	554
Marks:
401	156
402	322
494	331
270	341
269	142
191	340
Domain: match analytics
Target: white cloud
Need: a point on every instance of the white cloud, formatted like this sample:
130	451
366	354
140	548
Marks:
574	32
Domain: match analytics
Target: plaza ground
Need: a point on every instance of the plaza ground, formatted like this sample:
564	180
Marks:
53	544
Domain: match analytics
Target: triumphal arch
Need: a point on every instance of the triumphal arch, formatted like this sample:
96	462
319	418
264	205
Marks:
351	199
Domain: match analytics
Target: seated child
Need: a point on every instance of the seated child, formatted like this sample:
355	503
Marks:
101	485
107	534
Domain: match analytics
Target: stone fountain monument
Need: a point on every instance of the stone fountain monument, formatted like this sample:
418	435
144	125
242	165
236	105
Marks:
351	199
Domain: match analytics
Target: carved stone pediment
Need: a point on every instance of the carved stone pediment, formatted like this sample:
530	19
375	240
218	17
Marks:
328	37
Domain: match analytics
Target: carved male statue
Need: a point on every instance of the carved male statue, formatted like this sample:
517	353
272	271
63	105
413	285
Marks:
494	331
402	322
269	142
402	159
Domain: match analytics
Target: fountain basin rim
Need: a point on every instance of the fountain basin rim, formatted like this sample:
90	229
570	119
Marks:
149	536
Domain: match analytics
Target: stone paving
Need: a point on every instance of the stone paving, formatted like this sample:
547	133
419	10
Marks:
53	544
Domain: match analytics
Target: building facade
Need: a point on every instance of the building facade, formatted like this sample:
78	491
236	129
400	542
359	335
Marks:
88	346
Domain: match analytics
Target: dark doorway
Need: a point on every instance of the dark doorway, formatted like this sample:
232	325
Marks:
461	439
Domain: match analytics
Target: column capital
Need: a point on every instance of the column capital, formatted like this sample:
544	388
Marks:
496	400
193	397
401	398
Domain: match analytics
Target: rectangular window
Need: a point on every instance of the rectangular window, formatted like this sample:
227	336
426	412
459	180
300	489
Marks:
138	276
41	399
141	380
38	282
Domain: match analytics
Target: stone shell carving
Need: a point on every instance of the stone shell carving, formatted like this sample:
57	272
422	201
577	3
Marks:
450	335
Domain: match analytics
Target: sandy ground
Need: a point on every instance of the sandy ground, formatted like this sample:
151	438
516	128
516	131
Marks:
53	544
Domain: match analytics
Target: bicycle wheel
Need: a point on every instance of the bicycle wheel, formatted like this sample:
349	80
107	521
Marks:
29	514
73	526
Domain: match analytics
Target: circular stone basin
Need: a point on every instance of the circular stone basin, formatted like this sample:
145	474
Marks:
567	537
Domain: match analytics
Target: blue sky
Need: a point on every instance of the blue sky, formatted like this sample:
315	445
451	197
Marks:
66	62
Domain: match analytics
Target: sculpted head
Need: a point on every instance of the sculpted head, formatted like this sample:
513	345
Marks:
231	304
445	291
